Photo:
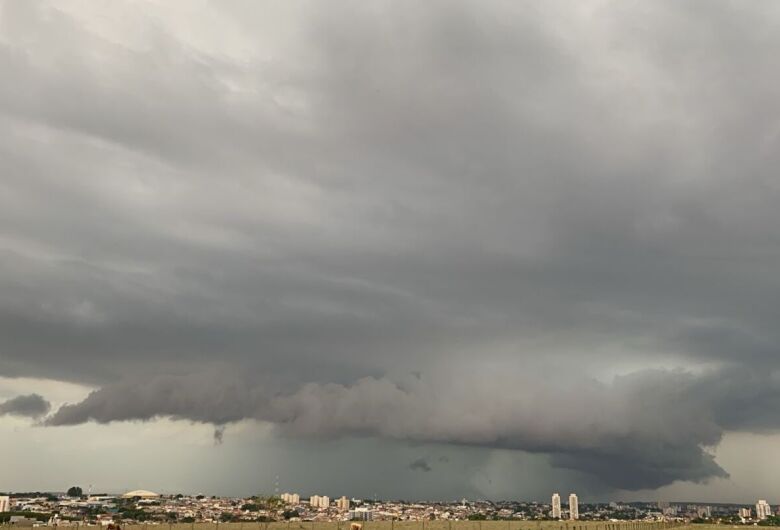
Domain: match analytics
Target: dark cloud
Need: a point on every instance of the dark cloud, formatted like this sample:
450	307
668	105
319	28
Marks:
563	216
219	434
31	406
421	464
657	424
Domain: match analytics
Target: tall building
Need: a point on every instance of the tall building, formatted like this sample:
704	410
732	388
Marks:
319	501
745	513
291	498
574	506
556	506
5	503
342	504
763	510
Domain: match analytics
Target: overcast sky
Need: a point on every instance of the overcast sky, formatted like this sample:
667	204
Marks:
412	249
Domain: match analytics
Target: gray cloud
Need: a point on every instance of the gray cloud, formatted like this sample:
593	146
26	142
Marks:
420	464
656	424
565	223
32	406
219	434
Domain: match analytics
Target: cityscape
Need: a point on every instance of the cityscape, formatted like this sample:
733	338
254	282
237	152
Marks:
73	508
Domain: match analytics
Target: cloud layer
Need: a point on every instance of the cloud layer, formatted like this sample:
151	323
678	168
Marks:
655	424
560	220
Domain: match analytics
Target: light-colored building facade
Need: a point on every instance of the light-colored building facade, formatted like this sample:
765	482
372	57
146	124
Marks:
5	503
319	501
361	514
343	504
745	513
291	498
556	506
574	506
763	510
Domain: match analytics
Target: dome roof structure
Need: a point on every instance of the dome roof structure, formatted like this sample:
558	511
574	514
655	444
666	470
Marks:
144	494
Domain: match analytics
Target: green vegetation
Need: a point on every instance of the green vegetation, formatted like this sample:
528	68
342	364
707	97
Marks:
30	494
75	491
43	517
228	517
128	512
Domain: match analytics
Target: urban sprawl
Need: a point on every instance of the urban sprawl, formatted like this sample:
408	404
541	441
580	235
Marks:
74	508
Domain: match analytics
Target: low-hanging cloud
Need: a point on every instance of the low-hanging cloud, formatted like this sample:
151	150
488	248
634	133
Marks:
219	434
420	464
644	430
30	406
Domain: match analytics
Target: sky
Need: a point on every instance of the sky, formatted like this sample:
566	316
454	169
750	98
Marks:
416	250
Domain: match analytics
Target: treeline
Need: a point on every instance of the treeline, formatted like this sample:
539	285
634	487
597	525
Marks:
40	516
24	494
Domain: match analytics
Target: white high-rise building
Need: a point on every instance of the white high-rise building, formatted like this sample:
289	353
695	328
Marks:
342	504
291	498
319	501
574	506
5	503
556	506
745	513
763	510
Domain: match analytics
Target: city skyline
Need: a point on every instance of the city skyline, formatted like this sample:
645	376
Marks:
477	249
146	506
321	501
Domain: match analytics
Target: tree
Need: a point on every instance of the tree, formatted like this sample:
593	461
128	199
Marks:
75	491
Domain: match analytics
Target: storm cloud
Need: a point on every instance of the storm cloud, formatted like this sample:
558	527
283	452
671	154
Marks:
420	464
31	406
656	424
548	228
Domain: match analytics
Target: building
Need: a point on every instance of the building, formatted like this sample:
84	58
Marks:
556	506
343	504
361	514
574	506
745	513
21	520
763	510
291	498
5	503
141	494
319	501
